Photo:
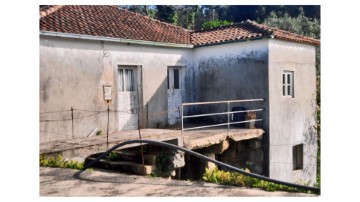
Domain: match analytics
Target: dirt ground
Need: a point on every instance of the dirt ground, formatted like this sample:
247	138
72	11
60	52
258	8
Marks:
61	182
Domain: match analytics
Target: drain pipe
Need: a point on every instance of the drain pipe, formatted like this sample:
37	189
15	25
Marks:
202	157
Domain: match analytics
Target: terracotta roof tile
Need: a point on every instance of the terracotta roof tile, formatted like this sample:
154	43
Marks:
245	30
109	21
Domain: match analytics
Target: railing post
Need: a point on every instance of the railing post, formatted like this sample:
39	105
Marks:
182	119
107	128
72	122
228	116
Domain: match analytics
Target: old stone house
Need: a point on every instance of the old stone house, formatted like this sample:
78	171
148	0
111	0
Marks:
148	67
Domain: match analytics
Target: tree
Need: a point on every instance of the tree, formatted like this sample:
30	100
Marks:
215	23
186	16
145	10
241	13
167	14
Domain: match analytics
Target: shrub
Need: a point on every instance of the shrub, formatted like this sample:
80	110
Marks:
224	177
112	156
237	179
59	162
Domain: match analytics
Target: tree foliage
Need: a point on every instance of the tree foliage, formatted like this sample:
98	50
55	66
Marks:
194	16
215	23
167	13
188	15
145	10
300	24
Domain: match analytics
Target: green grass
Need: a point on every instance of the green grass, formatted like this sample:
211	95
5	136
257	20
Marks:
112	156
59	162
236	179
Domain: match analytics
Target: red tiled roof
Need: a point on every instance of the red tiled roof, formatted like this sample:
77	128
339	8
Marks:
245	30
109	21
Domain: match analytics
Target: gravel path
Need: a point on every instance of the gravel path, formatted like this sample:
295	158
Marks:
60	182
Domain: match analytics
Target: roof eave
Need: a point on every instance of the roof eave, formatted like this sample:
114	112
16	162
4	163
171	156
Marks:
313	42
112	39
235	41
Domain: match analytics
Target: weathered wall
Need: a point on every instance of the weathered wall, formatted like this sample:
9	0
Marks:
292	120
73	72
230	71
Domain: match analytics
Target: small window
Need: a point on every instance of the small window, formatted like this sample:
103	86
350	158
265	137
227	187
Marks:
168	83
176	79
298	157
173	78
126	80
288	84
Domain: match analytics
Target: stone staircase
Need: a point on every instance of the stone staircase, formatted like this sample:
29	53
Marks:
161	163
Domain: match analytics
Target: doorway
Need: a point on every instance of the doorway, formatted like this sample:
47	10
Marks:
127	98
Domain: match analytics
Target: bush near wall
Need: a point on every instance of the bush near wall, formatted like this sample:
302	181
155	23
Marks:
236	179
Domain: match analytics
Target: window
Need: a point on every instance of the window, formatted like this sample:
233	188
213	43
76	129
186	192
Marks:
298	157
126	80
176	79
288	84
173	78
168	82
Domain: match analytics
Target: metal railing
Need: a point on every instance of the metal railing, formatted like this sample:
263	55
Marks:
228	113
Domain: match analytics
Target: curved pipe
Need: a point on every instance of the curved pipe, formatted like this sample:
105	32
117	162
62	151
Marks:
171	146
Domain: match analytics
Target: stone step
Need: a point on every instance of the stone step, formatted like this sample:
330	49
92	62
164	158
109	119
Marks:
123	166
134	156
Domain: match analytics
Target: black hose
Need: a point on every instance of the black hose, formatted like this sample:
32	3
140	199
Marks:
229	167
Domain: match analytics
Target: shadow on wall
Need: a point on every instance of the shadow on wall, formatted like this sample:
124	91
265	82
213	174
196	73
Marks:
230	78
156	108
155	113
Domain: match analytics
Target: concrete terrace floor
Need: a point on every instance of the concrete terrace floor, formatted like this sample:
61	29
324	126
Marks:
190	139
60	182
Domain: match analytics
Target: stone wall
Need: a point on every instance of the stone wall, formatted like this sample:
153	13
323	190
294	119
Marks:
242	154
245	154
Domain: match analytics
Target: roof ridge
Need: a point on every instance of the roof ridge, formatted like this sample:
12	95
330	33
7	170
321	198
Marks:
214	28
273	30
155	20
109	21
276	29
49	11
264	28
231	25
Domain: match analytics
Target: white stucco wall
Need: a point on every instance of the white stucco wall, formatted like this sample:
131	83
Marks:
292	120
73	72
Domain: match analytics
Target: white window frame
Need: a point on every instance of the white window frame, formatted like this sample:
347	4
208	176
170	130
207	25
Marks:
288	84
171	78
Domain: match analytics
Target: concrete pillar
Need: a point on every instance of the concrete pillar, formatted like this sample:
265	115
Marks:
209	165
